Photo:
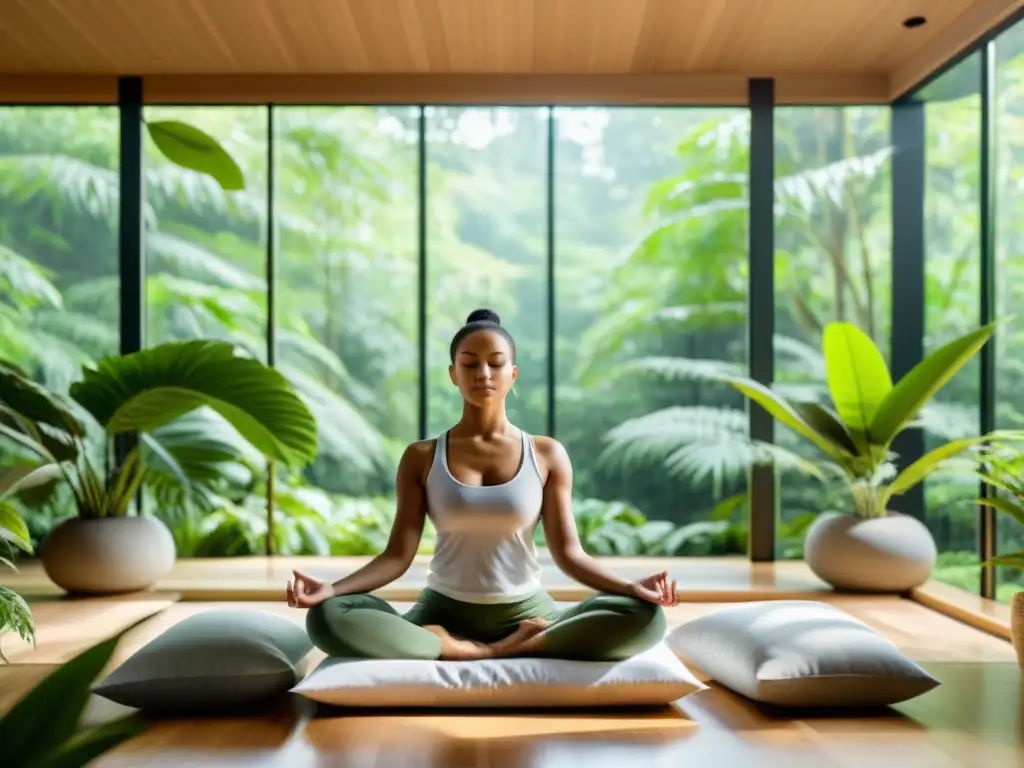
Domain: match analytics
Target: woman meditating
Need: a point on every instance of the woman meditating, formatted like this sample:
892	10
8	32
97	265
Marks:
485	485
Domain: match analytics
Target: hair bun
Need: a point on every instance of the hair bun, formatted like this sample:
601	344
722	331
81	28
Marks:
483	316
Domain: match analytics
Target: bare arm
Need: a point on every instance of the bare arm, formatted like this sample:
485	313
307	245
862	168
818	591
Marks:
560	526
406	532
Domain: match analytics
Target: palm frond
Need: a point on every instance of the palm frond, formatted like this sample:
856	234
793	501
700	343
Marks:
201	263
89	189
807	189
26	283
685	369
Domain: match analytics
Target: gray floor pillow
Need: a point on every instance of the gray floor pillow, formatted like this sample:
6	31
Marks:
210	660
800	653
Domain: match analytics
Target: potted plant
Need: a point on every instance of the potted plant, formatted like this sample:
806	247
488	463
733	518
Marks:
1003	469
106	547
15	615
875	549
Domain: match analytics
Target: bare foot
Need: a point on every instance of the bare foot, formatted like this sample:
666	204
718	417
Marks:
514	644
459	648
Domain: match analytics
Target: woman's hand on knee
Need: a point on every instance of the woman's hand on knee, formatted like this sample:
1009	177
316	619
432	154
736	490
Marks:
304	591
656	589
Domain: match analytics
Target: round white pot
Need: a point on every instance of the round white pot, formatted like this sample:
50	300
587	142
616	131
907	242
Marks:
892	554
108	555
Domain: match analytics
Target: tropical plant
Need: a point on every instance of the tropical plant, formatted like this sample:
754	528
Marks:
1003	469
43	729
15	615
144	392
870	411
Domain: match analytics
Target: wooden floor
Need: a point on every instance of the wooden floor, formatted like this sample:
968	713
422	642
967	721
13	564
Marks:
975	718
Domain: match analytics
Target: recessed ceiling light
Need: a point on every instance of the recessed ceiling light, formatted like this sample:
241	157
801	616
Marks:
915	21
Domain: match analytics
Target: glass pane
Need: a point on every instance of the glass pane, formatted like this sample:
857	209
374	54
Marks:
651	278
952	238
59	279
833	240
1009	163
347	316
205	279
487	247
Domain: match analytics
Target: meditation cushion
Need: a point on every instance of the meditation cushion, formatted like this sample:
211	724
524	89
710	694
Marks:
799	653
656	676
213	659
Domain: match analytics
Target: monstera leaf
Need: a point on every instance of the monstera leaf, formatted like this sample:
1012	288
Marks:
147	390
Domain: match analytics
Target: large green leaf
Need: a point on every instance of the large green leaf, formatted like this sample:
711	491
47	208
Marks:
858	378
920	469
191	148
926	378
149	389
1011	508
36	403
781	410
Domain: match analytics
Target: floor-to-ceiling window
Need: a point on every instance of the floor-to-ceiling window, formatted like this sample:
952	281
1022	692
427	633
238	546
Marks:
1009	234
833	244
650	249
487	247
952	247
347	317
205	251
59	280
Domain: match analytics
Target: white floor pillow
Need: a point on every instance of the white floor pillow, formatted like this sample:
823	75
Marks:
656	676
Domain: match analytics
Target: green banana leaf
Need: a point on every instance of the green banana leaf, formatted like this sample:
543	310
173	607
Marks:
191	148
926	378
858	377
147	390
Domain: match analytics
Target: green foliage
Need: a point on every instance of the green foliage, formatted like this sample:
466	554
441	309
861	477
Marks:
15	615
42	729
191	148
871	411
147	390
1003	469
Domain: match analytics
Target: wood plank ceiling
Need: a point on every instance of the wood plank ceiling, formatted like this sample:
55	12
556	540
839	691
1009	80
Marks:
862	40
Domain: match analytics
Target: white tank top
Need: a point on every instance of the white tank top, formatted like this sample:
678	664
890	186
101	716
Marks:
485	551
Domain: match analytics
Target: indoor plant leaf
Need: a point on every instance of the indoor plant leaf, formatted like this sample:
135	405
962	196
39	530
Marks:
85	746
13	528
780	409
191	148
926	378
50	712
148	389
858	377
824	422
34	402
920	469
1012	560
1011	508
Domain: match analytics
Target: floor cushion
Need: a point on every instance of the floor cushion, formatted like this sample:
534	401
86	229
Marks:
799	653
211	660
656	676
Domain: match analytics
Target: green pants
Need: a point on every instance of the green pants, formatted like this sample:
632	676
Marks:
601	628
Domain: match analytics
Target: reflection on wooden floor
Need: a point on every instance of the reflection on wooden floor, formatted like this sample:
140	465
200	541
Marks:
974	719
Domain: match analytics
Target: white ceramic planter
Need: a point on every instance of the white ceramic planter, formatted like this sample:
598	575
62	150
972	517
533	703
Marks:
888	554
108	555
